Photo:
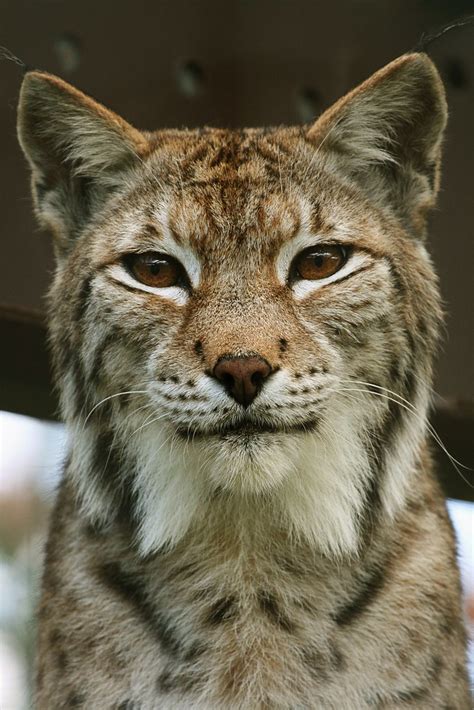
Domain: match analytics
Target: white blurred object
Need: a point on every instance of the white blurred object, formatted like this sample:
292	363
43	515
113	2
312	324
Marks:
462	515
13	685
31	453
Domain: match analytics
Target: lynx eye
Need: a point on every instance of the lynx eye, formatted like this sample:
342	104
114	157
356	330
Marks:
318	262
156	270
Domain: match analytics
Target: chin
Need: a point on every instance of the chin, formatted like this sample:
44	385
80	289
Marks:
251	462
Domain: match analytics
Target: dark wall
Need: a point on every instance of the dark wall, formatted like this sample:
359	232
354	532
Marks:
246	62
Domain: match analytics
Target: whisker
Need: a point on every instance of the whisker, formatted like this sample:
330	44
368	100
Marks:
112	396
149	421
433	433
430	427
131	414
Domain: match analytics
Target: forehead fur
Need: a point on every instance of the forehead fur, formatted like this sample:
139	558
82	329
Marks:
382	142
234	182
216	189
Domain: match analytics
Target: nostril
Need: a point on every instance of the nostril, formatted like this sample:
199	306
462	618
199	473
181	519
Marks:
242	376
227	380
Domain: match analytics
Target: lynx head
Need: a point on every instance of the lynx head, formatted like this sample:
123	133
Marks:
243	319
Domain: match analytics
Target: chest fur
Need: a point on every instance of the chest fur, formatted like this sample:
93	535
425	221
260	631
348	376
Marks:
227	621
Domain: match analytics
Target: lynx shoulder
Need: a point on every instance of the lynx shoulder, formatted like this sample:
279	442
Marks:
243	325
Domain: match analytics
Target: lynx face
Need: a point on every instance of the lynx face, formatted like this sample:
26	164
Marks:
245	316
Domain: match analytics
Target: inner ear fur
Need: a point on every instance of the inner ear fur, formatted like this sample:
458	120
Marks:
387	135
76	149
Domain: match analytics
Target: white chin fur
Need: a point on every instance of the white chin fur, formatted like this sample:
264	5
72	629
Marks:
312	484
250	463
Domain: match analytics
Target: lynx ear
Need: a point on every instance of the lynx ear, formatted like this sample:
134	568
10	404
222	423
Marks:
76	149
386	135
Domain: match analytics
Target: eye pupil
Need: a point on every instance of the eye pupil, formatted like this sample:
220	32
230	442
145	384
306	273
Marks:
318	262
156	270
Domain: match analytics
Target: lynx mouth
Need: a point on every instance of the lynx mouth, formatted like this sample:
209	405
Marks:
247	429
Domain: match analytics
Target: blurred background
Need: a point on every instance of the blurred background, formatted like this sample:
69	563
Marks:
163	63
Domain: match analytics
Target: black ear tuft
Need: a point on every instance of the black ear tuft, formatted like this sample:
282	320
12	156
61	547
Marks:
7	54
427	39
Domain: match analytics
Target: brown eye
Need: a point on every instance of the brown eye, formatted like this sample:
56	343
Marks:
156	270
318	262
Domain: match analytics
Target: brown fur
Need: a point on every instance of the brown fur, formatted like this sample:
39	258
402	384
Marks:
295	554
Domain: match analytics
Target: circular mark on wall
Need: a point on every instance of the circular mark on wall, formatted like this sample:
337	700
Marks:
68	51
190	77
308	104
456	74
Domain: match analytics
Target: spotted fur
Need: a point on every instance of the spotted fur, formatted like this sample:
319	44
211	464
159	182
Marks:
295	553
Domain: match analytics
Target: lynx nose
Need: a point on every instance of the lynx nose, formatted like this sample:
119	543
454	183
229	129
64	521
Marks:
242	376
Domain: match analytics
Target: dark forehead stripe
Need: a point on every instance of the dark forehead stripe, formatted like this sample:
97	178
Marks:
222	162
228	153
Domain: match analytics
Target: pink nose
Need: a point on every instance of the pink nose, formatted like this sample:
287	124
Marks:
242	376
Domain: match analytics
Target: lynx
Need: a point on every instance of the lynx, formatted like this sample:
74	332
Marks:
243	325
